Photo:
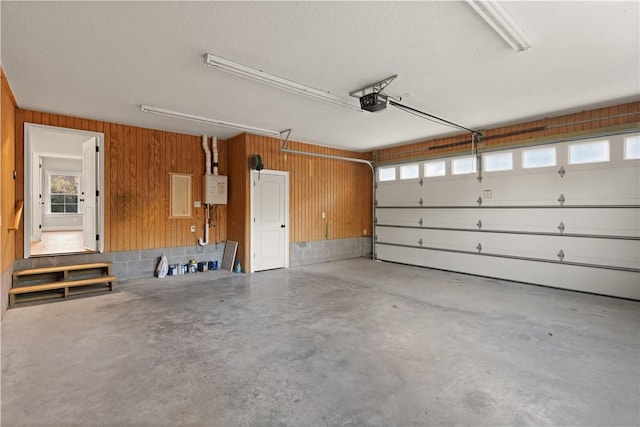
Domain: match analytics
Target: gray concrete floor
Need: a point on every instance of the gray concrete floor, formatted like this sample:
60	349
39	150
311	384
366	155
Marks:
349	343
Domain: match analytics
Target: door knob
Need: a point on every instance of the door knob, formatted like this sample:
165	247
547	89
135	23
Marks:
282	226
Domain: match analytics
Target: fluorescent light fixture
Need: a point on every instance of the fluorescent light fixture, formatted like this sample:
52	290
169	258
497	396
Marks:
501	23
275	81
207	120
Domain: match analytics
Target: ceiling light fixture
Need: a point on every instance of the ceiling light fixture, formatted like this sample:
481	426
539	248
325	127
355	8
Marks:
207	120
501	23
275	81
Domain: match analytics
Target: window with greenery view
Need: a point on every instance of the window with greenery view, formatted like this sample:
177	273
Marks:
63	192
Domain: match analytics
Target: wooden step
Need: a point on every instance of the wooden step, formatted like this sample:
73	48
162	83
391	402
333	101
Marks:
62	268
39	283
64	285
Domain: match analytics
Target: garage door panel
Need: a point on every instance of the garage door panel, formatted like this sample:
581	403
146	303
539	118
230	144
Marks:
453	192
457	191
601	222
582	224
579	187
450	218
605	252
507	189
607	282
605	186
396	193
433	238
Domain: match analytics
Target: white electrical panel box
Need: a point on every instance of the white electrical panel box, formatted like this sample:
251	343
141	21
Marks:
215	190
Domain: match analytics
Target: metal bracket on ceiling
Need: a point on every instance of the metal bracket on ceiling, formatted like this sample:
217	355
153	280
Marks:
284	137
376	87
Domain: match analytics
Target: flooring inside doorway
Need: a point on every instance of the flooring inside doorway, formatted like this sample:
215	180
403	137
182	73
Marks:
59	242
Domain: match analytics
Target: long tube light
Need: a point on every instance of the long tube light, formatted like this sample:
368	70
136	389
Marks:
275	81
501	23
207	120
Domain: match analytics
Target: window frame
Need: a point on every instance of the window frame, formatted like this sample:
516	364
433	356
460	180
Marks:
49	194
441	161
529	150
629	138
405	166
577	144
474	165
486	156
395	175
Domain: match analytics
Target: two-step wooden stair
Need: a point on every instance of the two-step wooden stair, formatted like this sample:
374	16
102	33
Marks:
60	281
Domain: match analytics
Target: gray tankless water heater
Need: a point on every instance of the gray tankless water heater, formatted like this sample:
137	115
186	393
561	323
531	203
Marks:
215	190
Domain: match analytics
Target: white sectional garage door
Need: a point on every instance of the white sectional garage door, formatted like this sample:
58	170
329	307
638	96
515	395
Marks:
565	215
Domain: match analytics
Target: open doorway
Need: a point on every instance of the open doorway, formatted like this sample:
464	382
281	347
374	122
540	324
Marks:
63	191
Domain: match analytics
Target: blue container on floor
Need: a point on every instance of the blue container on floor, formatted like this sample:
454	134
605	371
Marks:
173	270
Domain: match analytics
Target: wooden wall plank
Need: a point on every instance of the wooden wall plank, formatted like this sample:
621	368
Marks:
19	183
99	127
7	184
236	208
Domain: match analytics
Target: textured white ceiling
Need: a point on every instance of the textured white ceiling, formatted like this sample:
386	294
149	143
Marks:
101	60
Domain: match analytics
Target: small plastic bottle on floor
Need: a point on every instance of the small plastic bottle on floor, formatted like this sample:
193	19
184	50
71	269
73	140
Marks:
238	267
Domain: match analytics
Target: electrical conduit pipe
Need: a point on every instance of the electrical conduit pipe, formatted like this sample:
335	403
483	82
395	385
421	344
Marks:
207	156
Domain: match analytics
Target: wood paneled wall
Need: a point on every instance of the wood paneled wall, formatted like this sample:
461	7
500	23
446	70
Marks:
238	197
7	166
565	126
138	162
7	188
341	189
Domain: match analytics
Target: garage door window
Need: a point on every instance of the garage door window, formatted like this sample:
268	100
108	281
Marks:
463	165
409	171
436	168
387	174
632	147
589	152
539	158
498	162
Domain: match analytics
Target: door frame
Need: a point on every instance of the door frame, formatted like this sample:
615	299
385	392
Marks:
28	180
256	174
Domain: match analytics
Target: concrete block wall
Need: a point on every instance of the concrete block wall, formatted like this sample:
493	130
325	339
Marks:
142	263
131	264
320	251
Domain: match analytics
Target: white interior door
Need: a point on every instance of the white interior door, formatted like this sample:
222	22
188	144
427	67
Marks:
88	197
269	207
38	187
